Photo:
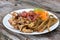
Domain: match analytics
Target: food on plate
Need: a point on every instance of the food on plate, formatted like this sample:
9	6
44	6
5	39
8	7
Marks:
32	21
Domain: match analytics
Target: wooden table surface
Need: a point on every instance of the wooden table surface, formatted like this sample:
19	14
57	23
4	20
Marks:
6	6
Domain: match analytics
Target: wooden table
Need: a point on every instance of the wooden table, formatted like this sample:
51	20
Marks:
6	6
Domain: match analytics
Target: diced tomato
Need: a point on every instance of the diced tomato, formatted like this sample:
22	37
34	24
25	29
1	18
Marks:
35	17
29	18
23	14
29	15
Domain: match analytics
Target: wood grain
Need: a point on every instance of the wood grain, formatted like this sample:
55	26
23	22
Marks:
6	6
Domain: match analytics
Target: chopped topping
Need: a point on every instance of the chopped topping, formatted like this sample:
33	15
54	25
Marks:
29	15
43	14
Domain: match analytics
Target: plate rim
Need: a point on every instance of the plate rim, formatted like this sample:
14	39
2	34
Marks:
30	33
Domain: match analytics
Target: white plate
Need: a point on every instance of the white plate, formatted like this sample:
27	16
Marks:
8	26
